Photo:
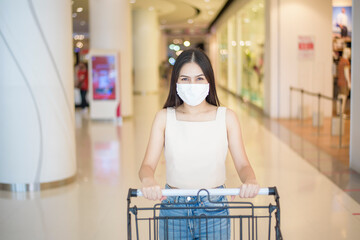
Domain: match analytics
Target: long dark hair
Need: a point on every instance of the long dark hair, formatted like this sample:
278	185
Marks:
200	58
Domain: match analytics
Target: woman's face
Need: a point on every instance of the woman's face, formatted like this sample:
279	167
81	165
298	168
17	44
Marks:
191	73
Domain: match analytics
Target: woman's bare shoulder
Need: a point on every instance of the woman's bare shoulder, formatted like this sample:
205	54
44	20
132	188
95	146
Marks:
231	118
230	113
161	113
160	118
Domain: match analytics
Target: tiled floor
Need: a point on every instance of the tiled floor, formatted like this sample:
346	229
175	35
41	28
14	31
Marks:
322	137
323	151
109	156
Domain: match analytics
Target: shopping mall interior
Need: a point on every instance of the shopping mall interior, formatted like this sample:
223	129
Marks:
81	82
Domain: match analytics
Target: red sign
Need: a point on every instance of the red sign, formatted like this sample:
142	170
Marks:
306	47
103	77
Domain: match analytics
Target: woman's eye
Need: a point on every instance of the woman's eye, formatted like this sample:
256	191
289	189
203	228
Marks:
200	79
183	79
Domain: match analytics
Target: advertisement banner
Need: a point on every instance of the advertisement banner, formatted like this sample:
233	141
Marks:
104	77
342	21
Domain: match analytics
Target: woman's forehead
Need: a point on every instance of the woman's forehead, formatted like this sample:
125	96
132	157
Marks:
191	69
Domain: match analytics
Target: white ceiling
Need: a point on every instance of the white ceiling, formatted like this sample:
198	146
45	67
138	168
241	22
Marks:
183	14
176	17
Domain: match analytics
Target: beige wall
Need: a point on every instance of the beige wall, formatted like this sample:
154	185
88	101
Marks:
304	18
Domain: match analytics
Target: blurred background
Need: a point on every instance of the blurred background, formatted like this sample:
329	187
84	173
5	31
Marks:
81	81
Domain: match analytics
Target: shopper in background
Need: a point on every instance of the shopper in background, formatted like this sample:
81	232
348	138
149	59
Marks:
195	133
344	79
83	83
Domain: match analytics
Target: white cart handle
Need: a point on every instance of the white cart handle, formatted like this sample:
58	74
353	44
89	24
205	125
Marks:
203	192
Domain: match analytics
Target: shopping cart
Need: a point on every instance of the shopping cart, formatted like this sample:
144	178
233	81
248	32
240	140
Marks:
246	219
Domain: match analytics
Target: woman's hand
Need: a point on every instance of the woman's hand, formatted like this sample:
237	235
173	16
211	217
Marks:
248	190
151	190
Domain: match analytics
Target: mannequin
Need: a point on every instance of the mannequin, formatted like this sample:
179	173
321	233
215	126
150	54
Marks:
344	79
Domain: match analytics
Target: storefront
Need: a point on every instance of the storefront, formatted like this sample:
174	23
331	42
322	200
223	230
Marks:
241	52
261	48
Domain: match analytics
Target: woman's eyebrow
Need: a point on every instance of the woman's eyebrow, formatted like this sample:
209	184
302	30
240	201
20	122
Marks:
182	75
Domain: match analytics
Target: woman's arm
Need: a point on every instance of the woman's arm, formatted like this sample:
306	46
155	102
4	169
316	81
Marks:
150	188
250	187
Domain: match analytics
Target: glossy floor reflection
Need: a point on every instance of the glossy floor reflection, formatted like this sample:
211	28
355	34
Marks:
109	156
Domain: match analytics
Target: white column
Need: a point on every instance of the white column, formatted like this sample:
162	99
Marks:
37	139
110	29
146	45
355	90
272	58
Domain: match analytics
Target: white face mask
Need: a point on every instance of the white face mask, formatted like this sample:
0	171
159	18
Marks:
192	94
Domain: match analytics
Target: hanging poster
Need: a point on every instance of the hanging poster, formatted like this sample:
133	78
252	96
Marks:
342	21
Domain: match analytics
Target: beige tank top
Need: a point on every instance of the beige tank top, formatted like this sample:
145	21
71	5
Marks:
195	152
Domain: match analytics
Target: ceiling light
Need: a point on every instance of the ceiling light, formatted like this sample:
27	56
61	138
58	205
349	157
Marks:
186	43
171	46
79	9
223	51
79	44
190	21
79	37
172	61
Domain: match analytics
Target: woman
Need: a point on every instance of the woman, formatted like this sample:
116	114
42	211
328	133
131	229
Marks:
195	133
